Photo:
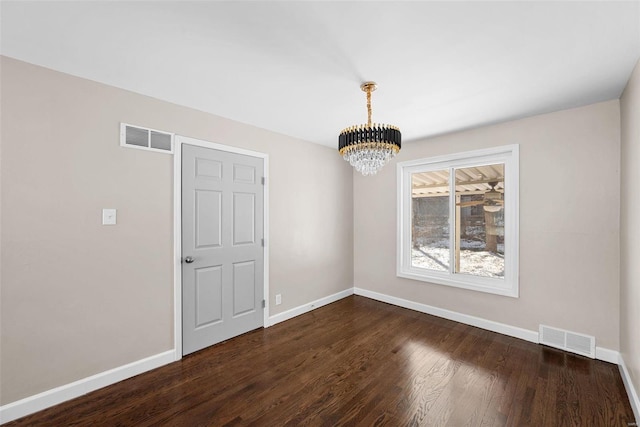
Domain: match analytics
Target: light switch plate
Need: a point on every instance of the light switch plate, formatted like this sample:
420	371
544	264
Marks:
109	216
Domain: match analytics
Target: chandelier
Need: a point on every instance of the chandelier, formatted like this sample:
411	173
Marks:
369	147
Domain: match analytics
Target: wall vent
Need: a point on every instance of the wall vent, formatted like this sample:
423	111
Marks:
569	341
145	138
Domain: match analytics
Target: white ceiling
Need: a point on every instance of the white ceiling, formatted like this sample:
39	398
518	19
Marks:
296	67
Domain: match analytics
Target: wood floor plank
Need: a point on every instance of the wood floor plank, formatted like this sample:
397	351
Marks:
359	362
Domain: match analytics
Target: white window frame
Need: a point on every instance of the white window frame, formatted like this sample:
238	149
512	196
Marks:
510	157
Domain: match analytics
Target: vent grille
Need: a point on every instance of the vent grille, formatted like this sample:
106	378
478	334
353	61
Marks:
568	341
146	139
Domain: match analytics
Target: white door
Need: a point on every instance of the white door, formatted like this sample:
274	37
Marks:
222	246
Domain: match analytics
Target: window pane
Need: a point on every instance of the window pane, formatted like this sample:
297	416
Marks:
480	221
430	220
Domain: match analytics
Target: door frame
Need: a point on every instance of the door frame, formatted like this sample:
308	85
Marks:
177	229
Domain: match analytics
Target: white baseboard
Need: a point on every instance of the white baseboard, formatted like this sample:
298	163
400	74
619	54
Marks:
603	354
631	390
607	355
489	325
46	399
297	311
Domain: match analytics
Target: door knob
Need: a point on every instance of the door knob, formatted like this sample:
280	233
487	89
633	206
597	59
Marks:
189	259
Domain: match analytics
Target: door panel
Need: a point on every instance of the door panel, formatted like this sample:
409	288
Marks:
207	168
208	217
222	228
208	295
243	174
243	218
244	287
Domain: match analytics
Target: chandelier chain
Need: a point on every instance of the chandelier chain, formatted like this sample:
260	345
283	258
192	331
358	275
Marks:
369	106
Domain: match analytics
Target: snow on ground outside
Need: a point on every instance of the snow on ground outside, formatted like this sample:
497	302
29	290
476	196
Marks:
435	256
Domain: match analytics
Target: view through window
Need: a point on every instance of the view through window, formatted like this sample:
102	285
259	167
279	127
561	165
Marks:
478	232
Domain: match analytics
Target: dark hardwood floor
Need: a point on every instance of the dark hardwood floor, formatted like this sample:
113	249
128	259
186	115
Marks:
361	362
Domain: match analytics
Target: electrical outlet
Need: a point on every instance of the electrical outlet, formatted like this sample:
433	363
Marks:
278	299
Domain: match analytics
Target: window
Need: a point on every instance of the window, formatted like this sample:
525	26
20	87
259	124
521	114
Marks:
458	220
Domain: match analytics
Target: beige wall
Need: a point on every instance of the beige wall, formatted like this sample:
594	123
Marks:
78	298
569	224
630	227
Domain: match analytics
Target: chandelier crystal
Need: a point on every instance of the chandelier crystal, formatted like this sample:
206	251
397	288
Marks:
369	147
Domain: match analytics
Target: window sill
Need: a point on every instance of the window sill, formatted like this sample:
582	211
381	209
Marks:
480	284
